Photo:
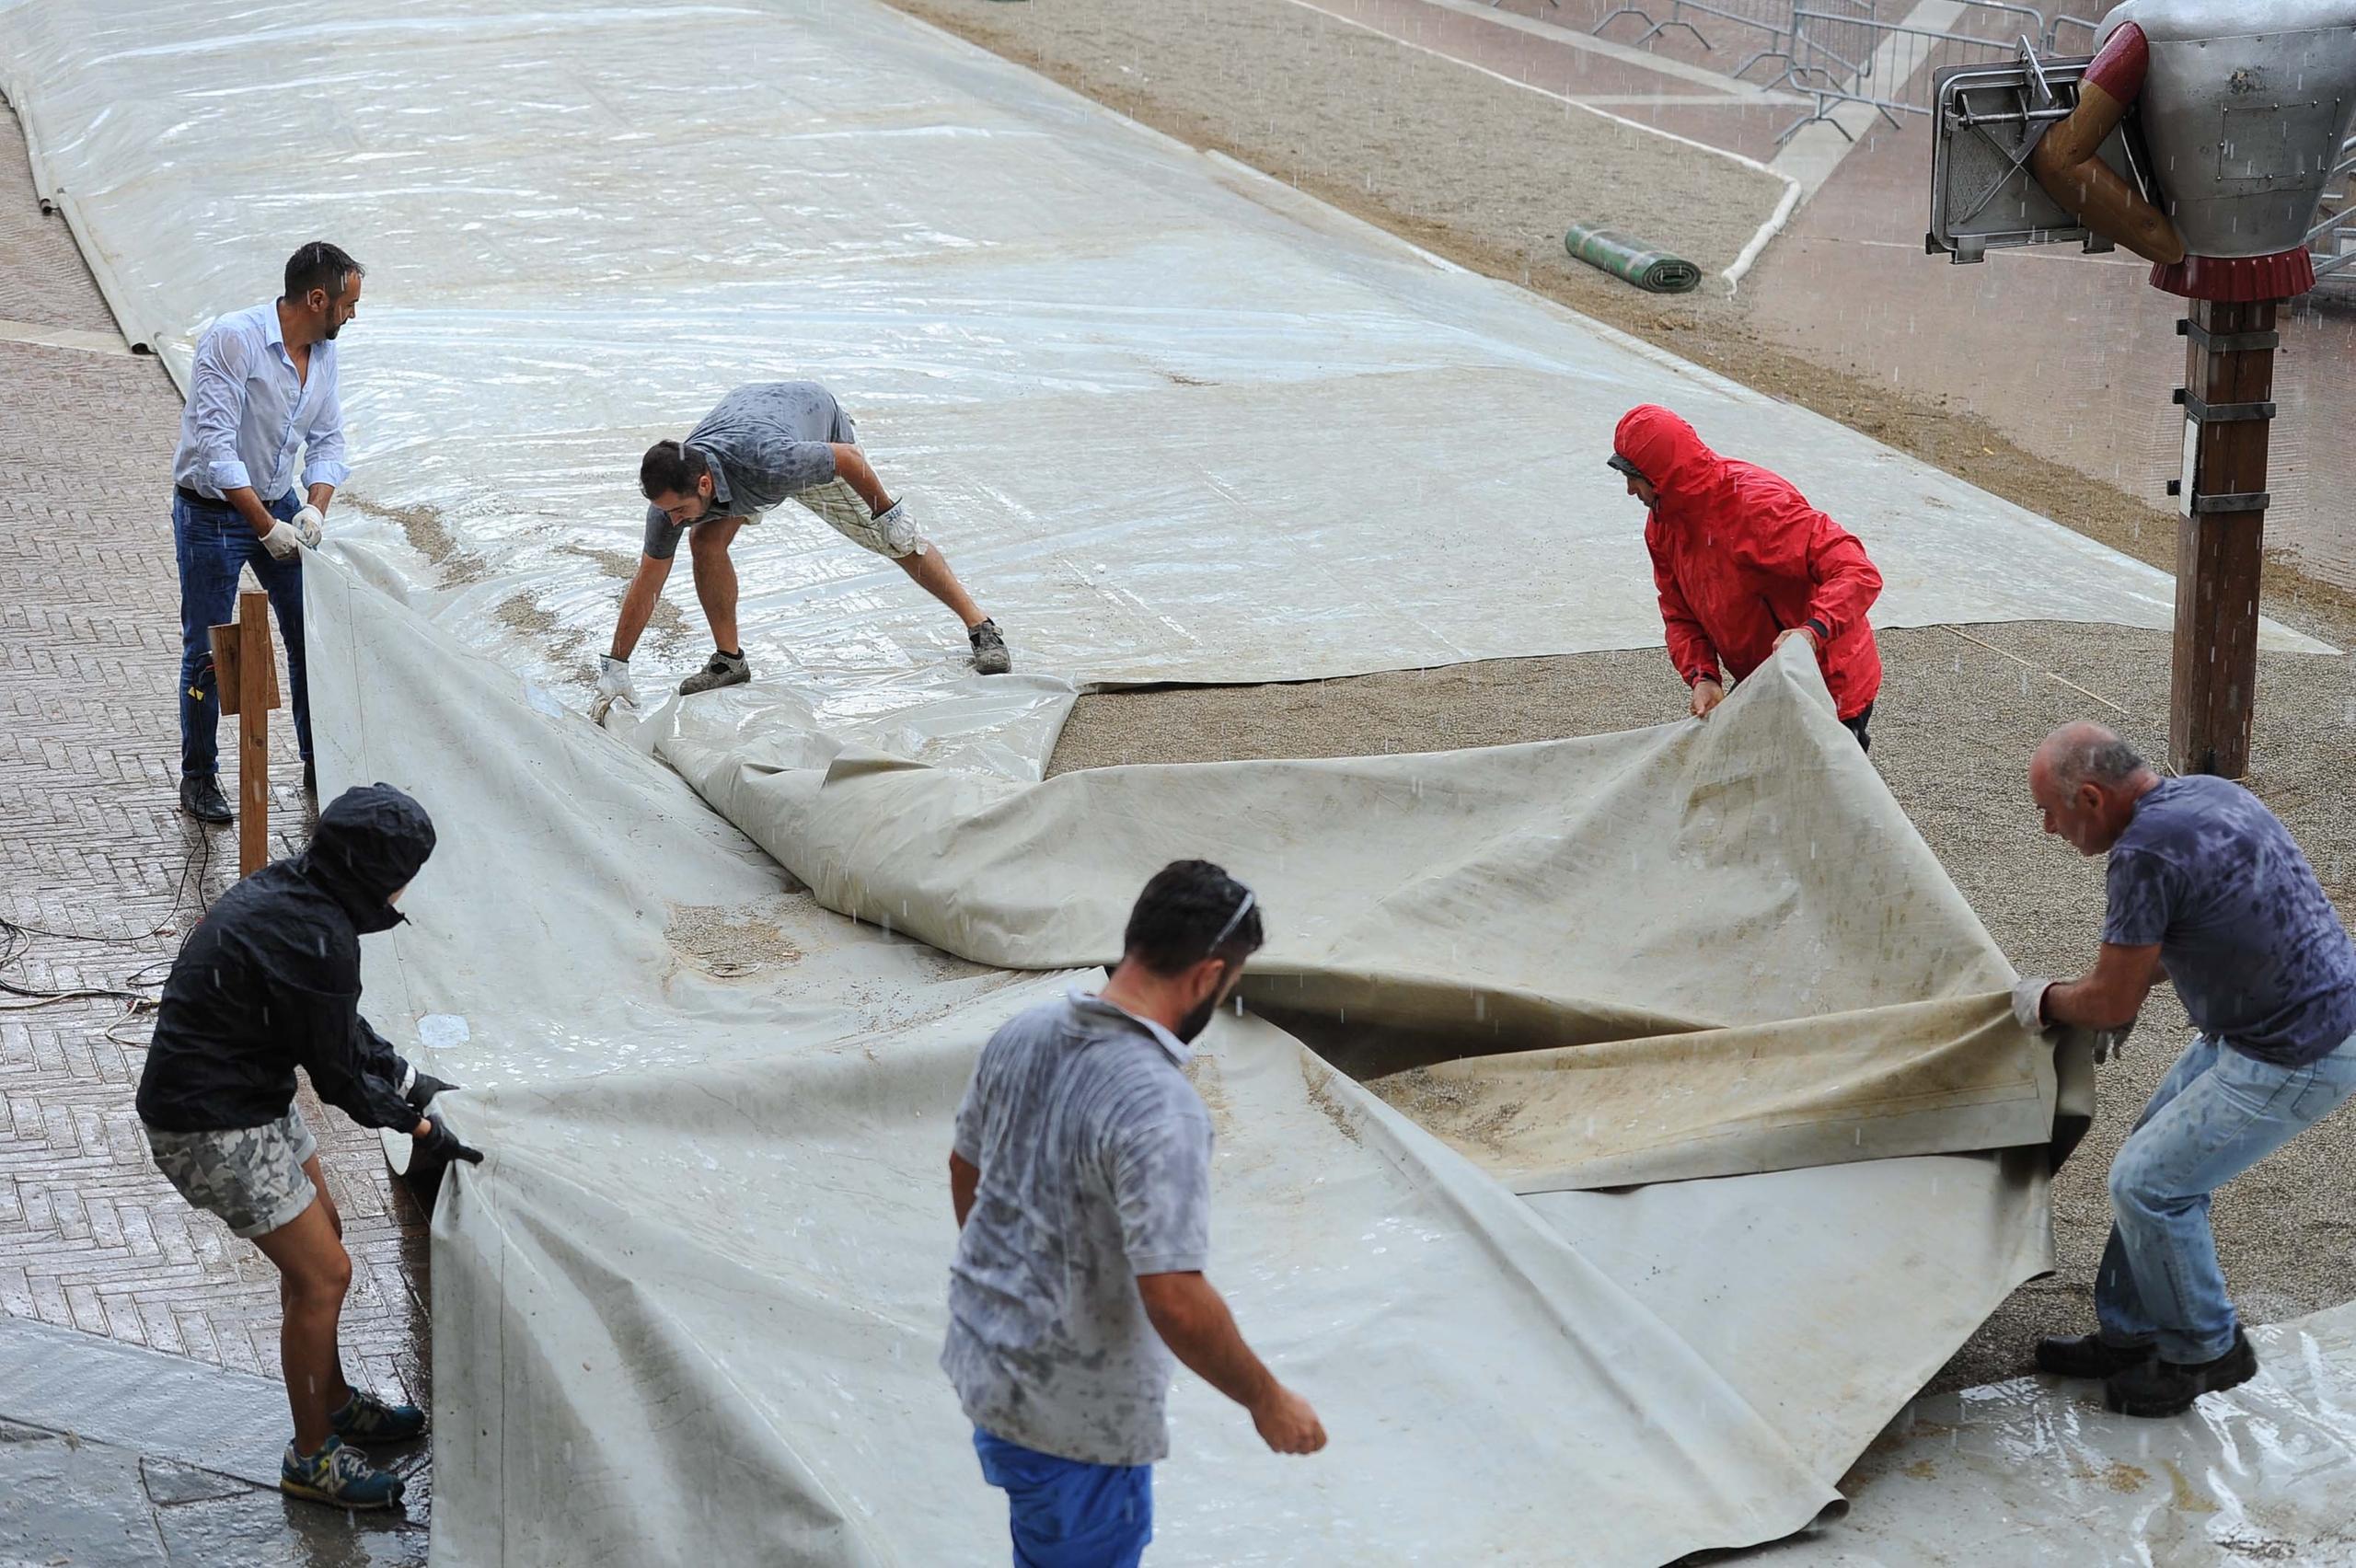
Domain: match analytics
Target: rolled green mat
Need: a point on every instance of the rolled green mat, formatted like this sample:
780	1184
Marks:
1631	260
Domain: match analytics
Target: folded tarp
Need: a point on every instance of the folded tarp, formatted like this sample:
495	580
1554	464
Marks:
1699	949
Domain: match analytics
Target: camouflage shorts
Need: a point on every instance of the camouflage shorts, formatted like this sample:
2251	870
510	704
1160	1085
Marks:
252	1177
844	510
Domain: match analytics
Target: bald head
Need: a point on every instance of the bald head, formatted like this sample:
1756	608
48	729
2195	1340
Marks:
2088	780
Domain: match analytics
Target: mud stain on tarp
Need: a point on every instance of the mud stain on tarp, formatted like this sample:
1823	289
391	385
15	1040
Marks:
1203	1072
621	566
731	941
1318	1079
617	564
522	613
1450	1108
2124	1477
430	536
2187	1498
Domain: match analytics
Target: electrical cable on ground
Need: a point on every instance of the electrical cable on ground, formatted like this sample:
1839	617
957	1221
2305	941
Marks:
16	936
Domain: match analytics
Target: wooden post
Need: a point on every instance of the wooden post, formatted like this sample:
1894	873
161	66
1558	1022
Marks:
2228	387
246	676
255	667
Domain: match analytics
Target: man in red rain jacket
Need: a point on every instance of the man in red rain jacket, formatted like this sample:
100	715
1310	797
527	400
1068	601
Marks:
1744	564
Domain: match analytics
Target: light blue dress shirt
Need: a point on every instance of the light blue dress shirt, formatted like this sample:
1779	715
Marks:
247	412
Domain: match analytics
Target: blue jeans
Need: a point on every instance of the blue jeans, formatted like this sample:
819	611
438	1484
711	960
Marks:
2217	1114
1067	1512
211	542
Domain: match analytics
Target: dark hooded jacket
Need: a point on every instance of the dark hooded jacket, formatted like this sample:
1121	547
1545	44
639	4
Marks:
270	981
1739	556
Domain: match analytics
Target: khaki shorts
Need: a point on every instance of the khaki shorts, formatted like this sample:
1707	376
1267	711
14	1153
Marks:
251	1177
842	509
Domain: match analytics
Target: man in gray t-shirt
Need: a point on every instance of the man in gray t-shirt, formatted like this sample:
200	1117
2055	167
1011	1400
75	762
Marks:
763	445
1080	1175
2206	888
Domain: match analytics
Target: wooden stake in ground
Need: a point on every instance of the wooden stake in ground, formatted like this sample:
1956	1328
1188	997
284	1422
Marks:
246	673
2222	500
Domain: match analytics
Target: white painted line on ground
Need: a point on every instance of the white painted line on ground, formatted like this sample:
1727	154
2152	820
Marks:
40	336
1678	100
1627	55
1749	252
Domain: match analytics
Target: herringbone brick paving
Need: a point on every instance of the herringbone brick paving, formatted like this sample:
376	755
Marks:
91	1236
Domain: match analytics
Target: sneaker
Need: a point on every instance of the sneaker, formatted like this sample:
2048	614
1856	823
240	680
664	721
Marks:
201	797
367	1419
2161	1388
340	1476
990	657
2089	1355
725	670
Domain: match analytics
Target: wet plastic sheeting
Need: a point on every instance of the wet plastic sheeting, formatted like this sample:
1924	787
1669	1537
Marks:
699	1277
714	1226
1172	422
1142	396
2035	1473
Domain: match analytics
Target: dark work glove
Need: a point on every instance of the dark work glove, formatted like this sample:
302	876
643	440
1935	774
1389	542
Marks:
442	1144
423	1087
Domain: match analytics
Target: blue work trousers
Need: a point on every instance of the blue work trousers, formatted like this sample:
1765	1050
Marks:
212	542
1069	1513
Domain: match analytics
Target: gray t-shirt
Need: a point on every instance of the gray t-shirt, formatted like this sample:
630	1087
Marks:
1095	1155
2255	950
764	441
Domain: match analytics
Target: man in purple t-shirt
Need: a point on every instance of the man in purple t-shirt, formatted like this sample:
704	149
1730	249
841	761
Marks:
2205	887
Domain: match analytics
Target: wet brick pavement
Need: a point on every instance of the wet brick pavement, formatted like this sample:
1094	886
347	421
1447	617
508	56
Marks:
92	1239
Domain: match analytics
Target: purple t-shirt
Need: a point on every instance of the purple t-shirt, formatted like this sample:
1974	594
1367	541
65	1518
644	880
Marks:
2257	952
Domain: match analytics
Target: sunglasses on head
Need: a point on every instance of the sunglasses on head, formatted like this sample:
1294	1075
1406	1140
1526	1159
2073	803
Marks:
1232	921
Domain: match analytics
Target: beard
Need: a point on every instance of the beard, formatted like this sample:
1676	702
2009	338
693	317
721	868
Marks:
332	330
1195	1022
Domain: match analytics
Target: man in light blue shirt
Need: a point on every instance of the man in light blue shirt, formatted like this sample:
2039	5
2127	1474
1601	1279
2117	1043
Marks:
264	386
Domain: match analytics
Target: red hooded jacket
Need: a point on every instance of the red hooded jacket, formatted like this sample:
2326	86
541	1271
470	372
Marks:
1738	555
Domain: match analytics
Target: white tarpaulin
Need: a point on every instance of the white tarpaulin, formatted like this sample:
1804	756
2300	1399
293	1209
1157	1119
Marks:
1171	421
700	1278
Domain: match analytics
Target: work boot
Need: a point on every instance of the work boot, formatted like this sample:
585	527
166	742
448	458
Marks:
364	1418
2161	1388
2089	1355
340	1476
725	670
201	797
990	657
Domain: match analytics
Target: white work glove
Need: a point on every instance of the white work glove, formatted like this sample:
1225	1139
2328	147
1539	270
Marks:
613	685
2029	1005
283	542
897	525
312	525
